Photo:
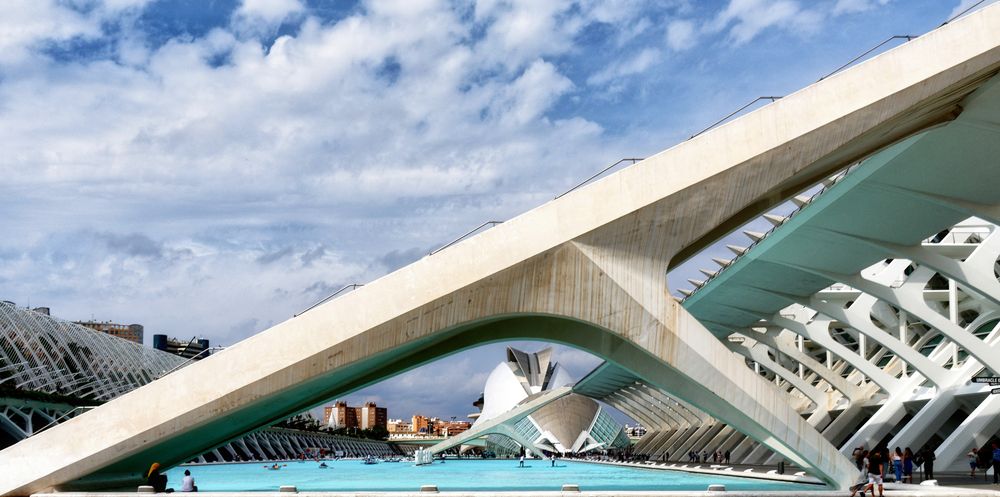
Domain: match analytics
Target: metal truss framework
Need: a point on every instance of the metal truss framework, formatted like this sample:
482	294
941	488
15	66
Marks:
40	353
44	354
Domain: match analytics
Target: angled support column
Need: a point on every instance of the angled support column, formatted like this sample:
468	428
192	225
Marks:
648	417
501	424
818	330
628	271
974	431
857	317
757	353
837	382
910	299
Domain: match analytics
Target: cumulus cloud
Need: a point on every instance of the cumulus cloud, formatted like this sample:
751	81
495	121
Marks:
968	5
681	35
853	6
262	16
746	18
638	64
229	174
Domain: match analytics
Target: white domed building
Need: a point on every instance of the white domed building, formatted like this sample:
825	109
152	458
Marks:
570	424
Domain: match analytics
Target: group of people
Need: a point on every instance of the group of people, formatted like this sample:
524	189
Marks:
718	457
158	480
876	463
985	459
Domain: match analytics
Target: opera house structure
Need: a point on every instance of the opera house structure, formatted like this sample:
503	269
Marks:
570	424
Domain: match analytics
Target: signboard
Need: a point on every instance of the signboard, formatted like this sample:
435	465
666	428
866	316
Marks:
995	391
986	379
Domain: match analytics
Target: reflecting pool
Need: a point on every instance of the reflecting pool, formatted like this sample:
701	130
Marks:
455	475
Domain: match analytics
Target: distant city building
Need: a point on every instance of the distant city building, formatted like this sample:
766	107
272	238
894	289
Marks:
193	349
130	332
366	417
421	424
398	426
451	428
571	424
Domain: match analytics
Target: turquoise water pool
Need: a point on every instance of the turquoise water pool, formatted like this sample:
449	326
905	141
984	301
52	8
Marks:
465	475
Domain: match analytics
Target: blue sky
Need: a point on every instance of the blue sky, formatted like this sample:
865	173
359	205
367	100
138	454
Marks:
211	168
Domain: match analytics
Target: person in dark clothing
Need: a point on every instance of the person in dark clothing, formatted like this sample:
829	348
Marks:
928	463
859	457
996	463
156	480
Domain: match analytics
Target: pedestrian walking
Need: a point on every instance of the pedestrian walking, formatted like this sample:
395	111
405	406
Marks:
996	462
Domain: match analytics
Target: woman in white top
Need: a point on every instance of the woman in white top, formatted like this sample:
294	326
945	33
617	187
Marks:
973	456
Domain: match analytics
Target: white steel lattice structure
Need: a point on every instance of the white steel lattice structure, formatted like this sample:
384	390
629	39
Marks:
44	354
880	355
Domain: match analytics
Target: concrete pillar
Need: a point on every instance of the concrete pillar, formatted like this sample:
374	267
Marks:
902	336
953	316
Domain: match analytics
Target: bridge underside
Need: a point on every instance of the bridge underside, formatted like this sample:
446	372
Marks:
585	270
879	293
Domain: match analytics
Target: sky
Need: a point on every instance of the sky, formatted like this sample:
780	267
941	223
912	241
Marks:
212	167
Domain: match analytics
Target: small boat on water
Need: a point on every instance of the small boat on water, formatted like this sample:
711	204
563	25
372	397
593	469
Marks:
392	459
370	460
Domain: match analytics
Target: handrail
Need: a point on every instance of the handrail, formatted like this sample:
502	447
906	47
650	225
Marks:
189	360
352	286
962	13
733	113
477	228
59	417
602	171
870	50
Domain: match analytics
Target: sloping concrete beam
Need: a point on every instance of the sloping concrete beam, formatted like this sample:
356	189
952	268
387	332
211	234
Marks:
502	424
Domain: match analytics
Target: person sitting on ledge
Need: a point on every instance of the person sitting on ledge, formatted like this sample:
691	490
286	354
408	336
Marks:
156	480
187	483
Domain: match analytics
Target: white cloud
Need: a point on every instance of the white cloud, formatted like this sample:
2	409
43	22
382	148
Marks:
26	23
366	136
270	11
638	64
854	6
531	94
745	19
681	35
964	5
